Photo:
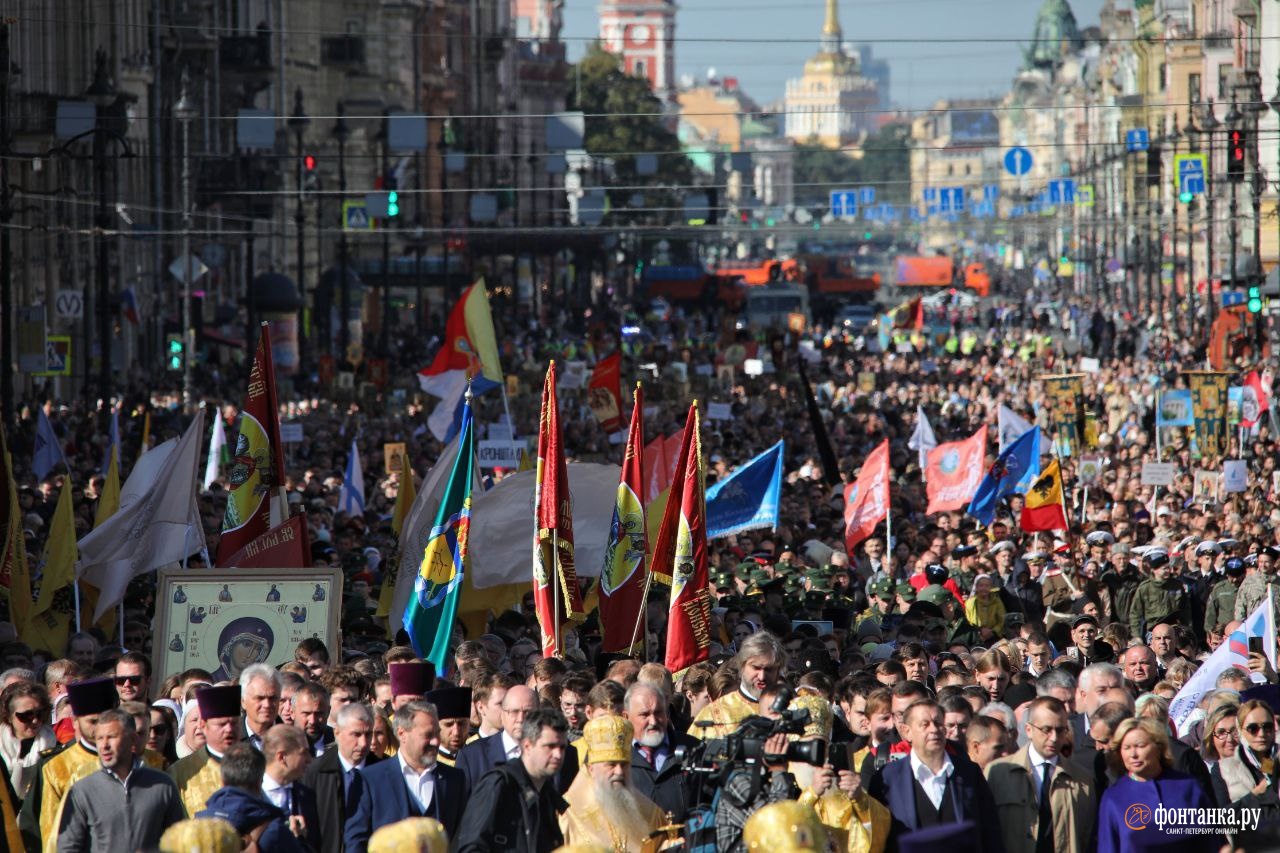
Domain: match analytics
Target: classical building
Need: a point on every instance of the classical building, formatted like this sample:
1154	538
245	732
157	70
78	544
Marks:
833	102
643	33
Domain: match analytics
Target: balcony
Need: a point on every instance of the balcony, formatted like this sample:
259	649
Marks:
1220	40
342	50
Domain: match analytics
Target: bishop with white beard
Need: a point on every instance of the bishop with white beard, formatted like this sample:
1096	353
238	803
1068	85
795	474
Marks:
604	810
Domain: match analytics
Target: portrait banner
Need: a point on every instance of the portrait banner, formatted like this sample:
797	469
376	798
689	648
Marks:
225	621
1064	398
1209	394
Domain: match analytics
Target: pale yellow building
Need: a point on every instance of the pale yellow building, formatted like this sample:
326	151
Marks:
832	103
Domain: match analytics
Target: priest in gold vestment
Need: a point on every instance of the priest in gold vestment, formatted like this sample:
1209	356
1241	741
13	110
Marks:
200	774
759	663
604	810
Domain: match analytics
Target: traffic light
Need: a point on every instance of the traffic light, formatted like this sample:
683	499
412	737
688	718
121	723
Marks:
1237	143
310	177
1255	299
1155	163
1186	198
174	351
393	204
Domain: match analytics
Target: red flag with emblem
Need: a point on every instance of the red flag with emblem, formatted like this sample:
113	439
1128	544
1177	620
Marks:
866	500
624	577
604	392
954	471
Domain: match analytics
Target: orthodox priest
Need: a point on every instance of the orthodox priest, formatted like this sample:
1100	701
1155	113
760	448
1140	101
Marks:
604	809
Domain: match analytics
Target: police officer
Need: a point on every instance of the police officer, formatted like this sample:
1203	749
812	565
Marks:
1158	596
1222	598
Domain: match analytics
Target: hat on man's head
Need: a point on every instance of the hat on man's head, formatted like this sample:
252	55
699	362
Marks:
1002	545
882	587
787	826
962	551
820	716
935	594
412	678
1101	538
97	695
411	835
906	591
1233	566
218	702
205	834
608	738
452	703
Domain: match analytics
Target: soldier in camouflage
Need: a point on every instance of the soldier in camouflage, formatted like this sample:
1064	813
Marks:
1221	606
1159	596
1254	587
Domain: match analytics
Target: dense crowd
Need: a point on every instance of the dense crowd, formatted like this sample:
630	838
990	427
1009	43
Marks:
980	687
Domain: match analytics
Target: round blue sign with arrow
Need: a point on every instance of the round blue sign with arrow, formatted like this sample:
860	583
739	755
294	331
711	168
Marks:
1018	161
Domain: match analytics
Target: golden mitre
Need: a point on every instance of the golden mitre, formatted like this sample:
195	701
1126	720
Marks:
583	848
412	835
819	709
204	834
608	738
785	827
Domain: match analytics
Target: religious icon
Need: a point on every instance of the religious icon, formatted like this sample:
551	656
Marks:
274	594
179	597
225	594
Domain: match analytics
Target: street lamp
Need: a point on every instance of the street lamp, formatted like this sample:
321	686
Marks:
1232	119
1193	133
102	93
341	133
1209	125
298	124
185	111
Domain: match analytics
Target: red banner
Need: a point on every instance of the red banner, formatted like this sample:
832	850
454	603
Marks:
257	465
624	576
604	392
556	595
866	500
282	547
954	471
681	553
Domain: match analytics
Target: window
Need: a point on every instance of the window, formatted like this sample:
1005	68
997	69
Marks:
1164	76
1193	88
639	68
1224	80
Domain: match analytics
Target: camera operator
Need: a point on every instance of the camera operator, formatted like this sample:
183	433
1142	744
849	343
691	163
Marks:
759	662
747	788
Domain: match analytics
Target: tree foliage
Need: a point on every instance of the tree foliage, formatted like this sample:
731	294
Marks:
885	164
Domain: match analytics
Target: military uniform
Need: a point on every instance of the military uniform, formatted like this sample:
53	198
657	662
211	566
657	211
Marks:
1252	590
1153	601
1221	606
198	776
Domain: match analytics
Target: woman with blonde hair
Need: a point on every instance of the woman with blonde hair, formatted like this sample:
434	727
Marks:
1221	734
1248	777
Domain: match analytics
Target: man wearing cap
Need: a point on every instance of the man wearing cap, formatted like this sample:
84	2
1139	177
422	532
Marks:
454	705
604	808
335	776
63	766
1158	596
410	681
880	595
1221	606
1254	587
1084	649
199	775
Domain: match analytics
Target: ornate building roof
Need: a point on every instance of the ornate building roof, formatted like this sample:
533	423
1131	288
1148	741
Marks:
1056	33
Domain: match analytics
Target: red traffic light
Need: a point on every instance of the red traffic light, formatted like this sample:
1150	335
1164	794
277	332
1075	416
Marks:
309	162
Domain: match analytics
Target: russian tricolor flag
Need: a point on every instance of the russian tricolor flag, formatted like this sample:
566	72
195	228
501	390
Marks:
470	349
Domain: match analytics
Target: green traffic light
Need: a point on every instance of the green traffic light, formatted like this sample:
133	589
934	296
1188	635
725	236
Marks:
866	235
393	203
1186	198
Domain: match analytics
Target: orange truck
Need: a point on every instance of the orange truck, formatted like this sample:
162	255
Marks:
940	271
837	276
691	283
757	273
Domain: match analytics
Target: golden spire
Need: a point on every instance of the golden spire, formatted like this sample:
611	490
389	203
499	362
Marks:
831	33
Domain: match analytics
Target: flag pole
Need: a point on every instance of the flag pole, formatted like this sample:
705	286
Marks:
75	586
555	590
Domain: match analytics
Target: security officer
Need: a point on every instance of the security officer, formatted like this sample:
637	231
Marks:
1158	596
1222	598
1254	587
880	597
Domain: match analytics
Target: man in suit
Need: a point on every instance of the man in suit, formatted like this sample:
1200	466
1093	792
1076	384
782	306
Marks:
926	789
413	784
288	754
335	776
479	757
310	704
655	772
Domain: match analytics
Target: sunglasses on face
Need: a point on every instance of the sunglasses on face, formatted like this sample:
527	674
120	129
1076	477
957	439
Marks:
160	729
122	680
1260	728
30	717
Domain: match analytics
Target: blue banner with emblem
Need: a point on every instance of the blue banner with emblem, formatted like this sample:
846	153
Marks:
748	498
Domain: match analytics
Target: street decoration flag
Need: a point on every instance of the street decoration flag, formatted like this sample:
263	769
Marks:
748	499
866	500
406	494
158	522
351	495
48	453
1255	400
109	497
953	471
681	554
1046	504
1004	475
922	440
624	575
1010	426
255	479
15	581
604	393
469	353
429	615
556	595
1234	651
213	465
50	617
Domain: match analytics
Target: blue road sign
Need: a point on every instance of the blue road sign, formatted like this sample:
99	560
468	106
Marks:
1017	210
844	203
951	199
888	212
1190	169
934	210
866	196
1137	139
355	216
1062	191
1018	161
930	195
990	192
915	215
1233	297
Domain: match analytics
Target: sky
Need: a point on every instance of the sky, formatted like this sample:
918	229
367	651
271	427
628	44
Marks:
962	61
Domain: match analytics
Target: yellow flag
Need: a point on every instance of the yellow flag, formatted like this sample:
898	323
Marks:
14	572
526	464
146	432
49	624
109	499
405	497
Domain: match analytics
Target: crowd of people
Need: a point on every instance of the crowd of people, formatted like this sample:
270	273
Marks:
975	686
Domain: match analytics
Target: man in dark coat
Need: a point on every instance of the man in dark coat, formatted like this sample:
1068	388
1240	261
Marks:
239	802
335	776
515	806
655	772
413	784
479	757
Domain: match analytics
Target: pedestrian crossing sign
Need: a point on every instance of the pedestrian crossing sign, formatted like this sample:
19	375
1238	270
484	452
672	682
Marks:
355	216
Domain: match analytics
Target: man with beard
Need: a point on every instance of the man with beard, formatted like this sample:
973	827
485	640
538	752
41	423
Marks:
454	705
655	772
199	775
604	809
758	662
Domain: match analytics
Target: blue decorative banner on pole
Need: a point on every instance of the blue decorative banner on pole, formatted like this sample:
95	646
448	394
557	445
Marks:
748	498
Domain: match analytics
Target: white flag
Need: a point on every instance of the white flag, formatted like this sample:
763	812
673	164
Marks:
922	440
158	522
351	497
218	442
1011	426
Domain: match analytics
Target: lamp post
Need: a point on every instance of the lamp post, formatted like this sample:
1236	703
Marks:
102	92
1231	119
185	111
1275	107
1192	133
1209	125
341	133
298	124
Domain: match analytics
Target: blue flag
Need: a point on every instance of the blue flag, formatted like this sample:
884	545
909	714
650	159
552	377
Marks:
428	618
748	498
48	452
113	443
351	495
1009	470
